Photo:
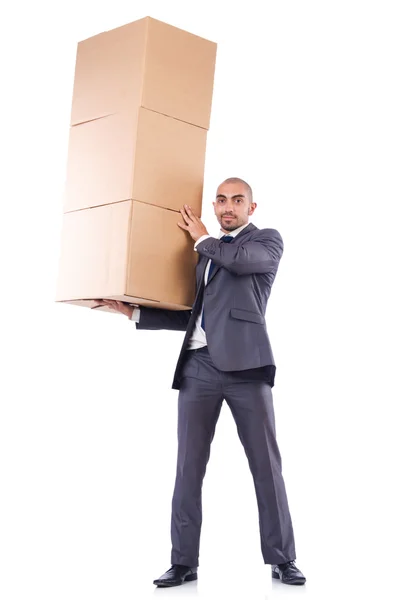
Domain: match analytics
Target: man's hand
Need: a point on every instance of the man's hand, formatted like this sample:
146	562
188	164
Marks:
122	307
192	223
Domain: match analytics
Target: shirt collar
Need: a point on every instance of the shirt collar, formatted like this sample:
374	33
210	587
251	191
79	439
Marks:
232	233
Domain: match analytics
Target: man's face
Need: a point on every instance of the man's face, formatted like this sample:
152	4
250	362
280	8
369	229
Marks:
232	206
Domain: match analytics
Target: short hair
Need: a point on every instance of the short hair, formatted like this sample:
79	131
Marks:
238	180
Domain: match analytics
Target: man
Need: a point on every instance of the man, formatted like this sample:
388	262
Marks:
226	355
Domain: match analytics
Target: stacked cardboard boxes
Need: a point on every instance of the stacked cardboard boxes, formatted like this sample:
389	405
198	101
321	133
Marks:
140	115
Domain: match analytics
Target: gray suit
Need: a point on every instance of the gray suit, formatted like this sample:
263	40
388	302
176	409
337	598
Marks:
229	368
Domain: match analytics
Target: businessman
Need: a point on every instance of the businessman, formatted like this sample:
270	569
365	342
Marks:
226	355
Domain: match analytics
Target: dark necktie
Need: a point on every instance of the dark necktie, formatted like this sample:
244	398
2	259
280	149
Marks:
227	239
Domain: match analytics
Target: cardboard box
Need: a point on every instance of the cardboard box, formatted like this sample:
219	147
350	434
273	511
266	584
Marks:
140	114
139	155
127	251
146	63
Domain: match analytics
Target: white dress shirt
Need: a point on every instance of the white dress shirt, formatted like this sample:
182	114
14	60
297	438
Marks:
198	338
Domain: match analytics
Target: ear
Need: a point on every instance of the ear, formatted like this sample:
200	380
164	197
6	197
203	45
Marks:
214	204
252	208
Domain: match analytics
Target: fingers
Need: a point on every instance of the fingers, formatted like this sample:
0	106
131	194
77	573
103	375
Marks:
98	303
189	217
186	210
111	303
117	305
185	216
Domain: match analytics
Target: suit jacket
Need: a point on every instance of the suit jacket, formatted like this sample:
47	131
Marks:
235	300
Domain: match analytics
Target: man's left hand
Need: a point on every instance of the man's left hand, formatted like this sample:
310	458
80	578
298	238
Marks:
192	223
122	307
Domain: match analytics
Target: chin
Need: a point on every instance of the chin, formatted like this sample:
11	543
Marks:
230	226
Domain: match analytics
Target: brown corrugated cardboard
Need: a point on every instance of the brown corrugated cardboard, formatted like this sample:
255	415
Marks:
142	156
140	115
127	251
145	63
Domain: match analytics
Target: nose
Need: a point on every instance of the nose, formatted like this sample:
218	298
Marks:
229	207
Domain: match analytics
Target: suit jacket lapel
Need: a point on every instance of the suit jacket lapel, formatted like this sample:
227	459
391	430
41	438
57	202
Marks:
200	270
200	273
214	271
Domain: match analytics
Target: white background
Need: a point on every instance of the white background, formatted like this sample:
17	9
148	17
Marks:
304	108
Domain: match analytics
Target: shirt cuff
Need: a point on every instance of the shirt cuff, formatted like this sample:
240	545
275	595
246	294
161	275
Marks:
201	239
136	315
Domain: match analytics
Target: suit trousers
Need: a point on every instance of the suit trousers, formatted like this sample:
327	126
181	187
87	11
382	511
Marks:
203	389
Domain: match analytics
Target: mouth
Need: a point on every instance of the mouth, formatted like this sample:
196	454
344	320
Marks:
227	218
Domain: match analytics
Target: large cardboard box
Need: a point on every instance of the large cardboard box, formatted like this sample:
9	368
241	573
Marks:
127	251
140	114
146	63
140	155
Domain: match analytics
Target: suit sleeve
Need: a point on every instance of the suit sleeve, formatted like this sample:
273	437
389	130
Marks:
255	256
158	318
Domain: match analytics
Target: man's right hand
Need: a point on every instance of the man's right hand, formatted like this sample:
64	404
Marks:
122	307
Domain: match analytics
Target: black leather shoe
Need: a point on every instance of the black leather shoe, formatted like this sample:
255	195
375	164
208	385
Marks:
288	573
177	575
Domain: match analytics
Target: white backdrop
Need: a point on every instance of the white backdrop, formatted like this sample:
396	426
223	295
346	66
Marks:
304	108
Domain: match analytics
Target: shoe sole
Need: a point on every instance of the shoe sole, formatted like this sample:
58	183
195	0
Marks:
192	577
297	582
